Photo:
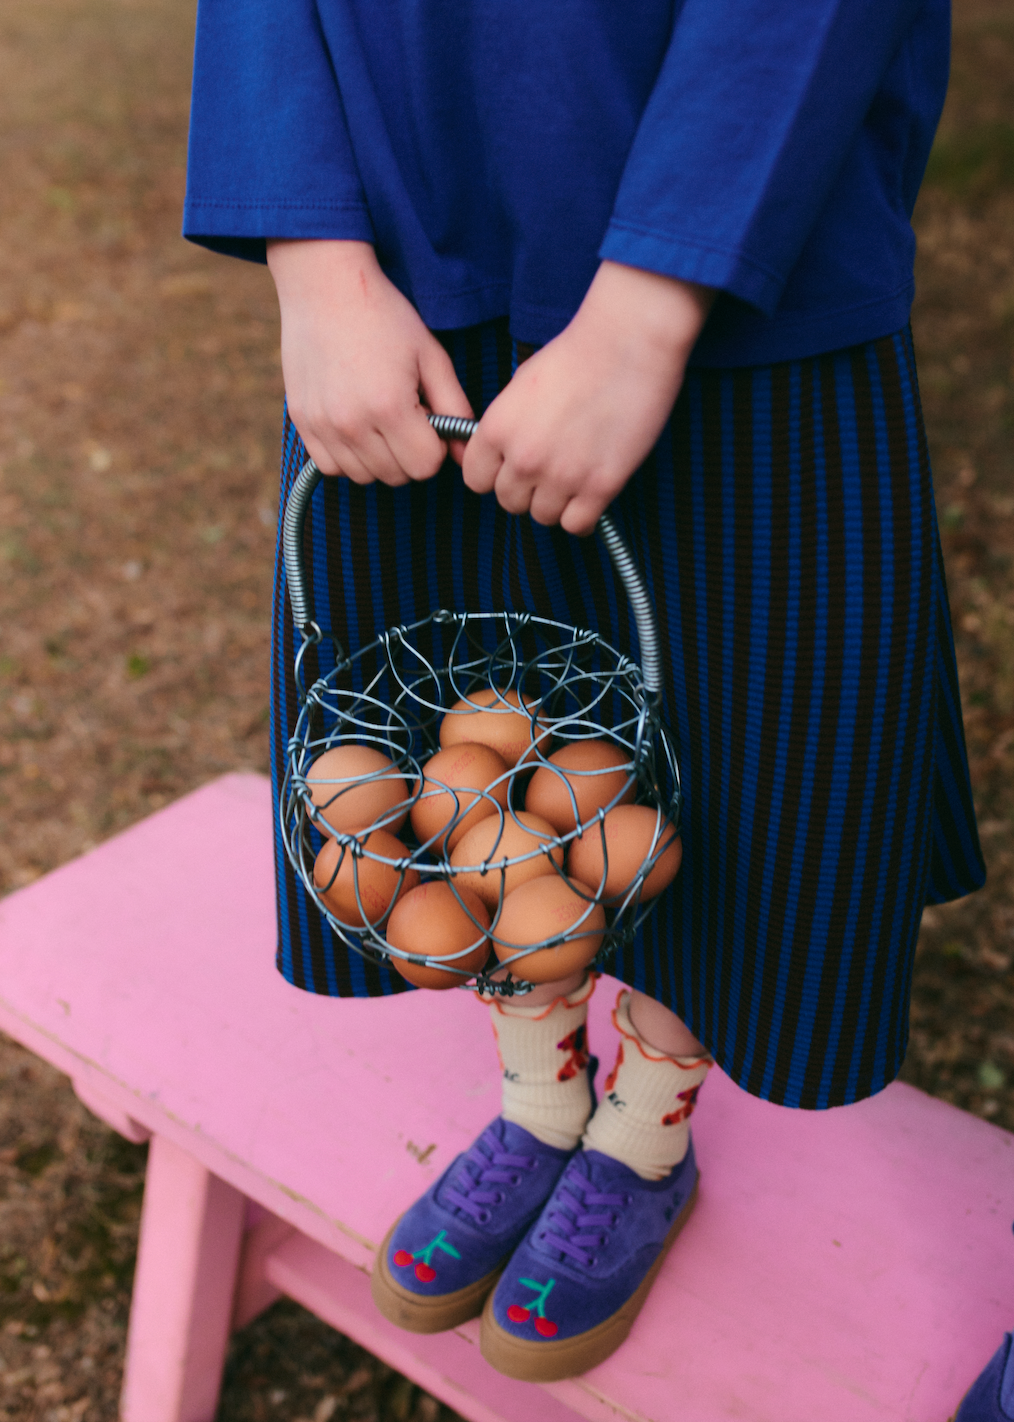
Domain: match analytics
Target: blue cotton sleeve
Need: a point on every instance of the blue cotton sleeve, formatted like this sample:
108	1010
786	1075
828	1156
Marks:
270	154
755	110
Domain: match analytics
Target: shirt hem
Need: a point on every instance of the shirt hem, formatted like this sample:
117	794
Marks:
723	268
214	223
781	339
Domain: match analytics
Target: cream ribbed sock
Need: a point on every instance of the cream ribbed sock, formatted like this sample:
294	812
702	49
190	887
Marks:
646	1103
544	1053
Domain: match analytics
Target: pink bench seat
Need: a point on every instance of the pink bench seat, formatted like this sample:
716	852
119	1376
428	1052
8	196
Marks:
846	1266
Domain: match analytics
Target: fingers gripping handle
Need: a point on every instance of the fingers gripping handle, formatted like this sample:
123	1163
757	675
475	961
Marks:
453	427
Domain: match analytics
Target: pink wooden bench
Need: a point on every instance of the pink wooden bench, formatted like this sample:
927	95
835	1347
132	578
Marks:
842	1267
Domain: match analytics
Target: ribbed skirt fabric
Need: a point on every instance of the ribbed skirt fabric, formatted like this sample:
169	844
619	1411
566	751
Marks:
786	527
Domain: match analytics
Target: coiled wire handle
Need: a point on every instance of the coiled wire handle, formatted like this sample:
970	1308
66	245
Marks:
455	427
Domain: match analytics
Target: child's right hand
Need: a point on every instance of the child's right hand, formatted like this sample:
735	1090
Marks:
361	369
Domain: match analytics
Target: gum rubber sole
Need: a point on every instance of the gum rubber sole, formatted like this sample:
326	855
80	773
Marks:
419	1314
556	1359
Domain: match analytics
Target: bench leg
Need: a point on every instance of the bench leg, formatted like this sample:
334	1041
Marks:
187	1260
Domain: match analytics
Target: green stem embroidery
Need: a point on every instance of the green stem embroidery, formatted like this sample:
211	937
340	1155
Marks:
542	1292
439	1243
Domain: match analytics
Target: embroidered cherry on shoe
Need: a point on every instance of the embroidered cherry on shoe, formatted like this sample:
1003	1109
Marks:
517	1313
424	1270
443	1256
596	1247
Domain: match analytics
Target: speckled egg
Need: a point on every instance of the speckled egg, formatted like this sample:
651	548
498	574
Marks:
354	787
431	921
595	771
544	908
492	717
633	834
338	873
455	790
493	839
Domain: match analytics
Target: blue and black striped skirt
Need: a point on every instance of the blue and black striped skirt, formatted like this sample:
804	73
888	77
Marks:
786	526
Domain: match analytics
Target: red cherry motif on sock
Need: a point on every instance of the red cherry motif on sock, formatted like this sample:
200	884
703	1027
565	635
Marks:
575	1044
689	1098
424	1270
610	1080
517	1313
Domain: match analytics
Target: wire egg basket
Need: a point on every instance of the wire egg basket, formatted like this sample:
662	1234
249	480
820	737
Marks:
567	683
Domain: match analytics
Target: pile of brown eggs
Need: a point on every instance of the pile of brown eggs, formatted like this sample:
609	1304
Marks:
492	812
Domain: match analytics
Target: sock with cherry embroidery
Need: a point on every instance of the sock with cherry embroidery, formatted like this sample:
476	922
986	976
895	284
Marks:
647	1099
544	1056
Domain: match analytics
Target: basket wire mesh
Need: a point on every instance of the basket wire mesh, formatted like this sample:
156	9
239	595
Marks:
390	695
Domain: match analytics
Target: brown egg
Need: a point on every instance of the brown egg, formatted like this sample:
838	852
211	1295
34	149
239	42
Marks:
633	834
466	769
596	771
507	729
431	922
349	801
491	840
544	908
337	872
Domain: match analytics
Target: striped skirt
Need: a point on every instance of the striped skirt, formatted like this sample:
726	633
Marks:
786	527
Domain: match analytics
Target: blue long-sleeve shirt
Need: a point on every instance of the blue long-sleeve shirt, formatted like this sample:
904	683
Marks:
495	150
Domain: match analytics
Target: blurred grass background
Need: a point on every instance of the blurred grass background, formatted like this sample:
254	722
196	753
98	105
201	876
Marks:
140	397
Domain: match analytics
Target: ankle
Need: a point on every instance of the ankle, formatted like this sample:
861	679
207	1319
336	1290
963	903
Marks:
544	1058
660	1028
648	1098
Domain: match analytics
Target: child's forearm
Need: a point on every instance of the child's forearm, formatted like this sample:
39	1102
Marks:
655	312
301	268
582	414
355	357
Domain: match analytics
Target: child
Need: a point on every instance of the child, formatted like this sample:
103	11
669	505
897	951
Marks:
665	253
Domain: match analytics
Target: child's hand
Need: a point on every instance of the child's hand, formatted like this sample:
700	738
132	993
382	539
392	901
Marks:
358	362
582	413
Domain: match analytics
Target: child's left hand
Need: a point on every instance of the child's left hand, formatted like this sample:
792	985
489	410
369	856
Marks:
582	413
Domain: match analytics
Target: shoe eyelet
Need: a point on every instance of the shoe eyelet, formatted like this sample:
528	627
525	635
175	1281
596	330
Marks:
515	1180
593	1261
484	1216
498	1198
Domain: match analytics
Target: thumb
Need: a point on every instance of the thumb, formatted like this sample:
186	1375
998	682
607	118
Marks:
442	390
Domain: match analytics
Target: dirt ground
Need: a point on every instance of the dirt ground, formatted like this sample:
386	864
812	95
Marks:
139	419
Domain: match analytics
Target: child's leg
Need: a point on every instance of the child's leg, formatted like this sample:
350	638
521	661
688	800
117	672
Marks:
649	1096
443	1256
543	1047
575	1283
661	1028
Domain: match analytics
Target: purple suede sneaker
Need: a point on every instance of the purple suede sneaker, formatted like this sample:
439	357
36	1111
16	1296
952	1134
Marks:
442	1257
573	1288
991	1396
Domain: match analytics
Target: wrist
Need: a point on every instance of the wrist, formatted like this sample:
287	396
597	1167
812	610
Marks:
662	312
303	265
